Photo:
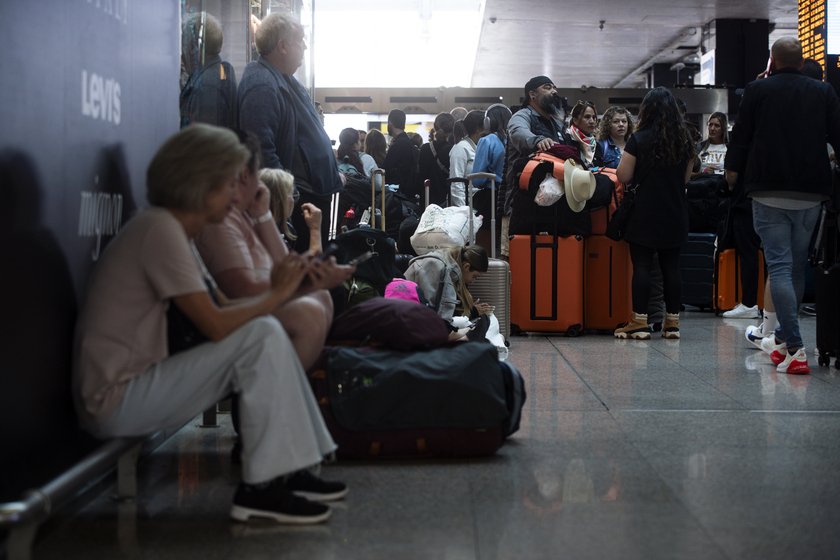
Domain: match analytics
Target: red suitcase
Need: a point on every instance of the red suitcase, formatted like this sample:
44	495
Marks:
546	284
608	273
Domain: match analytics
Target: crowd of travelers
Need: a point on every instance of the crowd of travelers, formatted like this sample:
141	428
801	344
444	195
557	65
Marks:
234	235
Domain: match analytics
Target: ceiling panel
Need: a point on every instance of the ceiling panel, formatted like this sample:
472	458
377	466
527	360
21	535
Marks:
564	40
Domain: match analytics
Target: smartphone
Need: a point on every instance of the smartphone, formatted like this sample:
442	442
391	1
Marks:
329	251
361	258
769	64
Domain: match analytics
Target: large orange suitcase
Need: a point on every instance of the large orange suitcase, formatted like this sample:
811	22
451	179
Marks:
546	284
608	273
728	290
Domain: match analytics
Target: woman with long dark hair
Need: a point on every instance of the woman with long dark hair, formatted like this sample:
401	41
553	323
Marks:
376	146
350	157
434	160
658	159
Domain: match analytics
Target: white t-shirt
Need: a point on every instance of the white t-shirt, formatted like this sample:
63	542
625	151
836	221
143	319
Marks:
122	329
714	155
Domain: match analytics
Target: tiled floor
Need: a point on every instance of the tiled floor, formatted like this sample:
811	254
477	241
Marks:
660	449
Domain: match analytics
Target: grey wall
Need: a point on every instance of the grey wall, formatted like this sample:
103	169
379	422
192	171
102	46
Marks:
88	91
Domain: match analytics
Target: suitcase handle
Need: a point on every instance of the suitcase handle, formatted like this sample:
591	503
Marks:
373	175
492	178
468	189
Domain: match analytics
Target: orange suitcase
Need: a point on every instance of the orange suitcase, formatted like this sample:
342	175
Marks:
546	284
601	216
728	289
608	273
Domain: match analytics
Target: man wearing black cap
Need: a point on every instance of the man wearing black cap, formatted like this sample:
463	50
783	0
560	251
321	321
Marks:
537	126
400	158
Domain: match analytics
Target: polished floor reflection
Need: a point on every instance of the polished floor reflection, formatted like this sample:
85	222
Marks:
693	448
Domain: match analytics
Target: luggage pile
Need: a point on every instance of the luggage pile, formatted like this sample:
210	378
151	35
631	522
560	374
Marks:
566	275
391	386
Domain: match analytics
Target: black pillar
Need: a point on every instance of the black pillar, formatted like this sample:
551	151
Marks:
741	51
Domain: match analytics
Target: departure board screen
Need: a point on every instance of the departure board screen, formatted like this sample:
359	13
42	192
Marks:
812	28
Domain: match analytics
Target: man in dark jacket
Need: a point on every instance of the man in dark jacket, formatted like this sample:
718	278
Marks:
276	107
537	126
788	176
401	157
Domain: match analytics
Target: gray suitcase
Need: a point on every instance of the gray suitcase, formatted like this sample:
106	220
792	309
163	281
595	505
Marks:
494	286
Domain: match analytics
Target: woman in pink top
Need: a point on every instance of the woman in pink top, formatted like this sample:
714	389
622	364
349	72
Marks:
240	252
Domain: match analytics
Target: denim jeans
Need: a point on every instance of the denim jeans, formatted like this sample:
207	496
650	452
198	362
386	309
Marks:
786	235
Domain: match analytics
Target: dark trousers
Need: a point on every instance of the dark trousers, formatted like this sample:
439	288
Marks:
669	263
302	230
747	243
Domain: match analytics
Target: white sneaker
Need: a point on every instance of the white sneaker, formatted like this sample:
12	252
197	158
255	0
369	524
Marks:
754	334
741	311
795	363
778	352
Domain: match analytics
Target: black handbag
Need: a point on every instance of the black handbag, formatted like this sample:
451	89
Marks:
617	226
181	332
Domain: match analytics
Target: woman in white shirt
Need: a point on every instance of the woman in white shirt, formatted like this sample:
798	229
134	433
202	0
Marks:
712	151
462	155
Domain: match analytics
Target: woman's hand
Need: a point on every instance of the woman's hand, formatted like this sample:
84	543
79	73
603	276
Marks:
484	308
311	215
260	205
327	274
287	274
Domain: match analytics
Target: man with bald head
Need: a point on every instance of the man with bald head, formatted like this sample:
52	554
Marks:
787	174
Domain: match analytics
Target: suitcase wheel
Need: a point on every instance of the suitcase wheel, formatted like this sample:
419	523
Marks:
573	331
824	361
514	329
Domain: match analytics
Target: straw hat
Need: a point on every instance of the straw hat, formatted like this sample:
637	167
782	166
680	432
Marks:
579	185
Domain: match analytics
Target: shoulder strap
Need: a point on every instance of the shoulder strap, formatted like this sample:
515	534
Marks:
434	153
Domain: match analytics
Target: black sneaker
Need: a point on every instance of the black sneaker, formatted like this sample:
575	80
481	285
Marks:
275	501
307	485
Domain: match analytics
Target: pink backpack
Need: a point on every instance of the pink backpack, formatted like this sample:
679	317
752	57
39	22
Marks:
405	289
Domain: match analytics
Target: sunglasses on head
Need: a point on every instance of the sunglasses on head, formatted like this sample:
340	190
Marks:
586	103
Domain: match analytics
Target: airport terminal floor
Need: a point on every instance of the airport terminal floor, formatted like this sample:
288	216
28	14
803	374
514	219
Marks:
693	448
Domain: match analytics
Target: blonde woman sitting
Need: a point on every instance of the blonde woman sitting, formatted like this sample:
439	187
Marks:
241	250
444	275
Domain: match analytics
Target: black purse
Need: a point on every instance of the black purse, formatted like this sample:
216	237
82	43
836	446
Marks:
617	226
181	333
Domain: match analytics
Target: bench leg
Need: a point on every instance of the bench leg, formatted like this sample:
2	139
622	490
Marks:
127	473
19	543
209	418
